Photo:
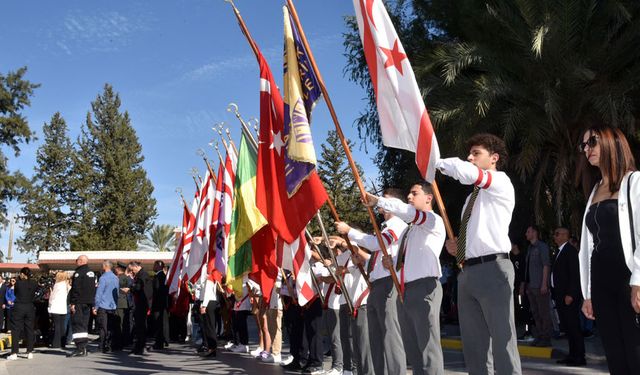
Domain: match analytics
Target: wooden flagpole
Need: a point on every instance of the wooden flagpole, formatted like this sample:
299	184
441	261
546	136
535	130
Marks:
347	150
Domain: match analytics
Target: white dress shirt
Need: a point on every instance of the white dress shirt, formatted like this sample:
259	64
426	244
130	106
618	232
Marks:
424	239
488	226
354	281
331	298
392	229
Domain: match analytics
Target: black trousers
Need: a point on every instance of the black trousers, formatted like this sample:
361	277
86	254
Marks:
240	329
23	317
80	325
106	321
160	327
313	326
139	329
294	326
59	337
570	320
121	329
616	323
209	325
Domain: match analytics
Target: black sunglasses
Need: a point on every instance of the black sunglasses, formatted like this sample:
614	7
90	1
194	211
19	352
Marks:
591	142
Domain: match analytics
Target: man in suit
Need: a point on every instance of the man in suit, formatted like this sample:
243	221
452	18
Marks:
565	284
159	306
142	291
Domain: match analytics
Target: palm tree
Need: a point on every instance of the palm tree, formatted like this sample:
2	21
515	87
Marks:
536	73
159	238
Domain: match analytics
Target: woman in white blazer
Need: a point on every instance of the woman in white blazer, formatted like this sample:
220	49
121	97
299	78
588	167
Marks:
58	308
609	267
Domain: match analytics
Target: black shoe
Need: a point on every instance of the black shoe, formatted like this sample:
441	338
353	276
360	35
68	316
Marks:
202	349
106	350
293	366
576	362
312	370
563	361
208	354
78	353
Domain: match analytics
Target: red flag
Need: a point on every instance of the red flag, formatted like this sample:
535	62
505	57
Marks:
288	212
212	272
264	270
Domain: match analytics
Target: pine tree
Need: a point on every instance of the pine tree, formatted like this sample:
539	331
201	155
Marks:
335	173
45	212
113	203
15	94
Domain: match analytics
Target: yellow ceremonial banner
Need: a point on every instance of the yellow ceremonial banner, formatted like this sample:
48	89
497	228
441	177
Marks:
299	97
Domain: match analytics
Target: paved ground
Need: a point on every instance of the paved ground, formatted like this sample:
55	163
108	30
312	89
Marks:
180	359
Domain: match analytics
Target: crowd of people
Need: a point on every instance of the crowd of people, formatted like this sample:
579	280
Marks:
377	301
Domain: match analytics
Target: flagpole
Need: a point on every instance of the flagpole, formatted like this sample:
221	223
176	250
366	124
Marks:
345	145
204	156
334	212
243	26
339	278
315	283
245	128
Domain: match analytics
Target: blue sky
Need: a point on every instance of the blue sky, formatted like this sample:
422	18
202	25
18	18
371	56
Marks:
176	65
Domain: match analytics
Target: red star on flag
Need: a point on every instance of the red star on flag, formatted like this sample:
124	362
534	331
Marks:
394	56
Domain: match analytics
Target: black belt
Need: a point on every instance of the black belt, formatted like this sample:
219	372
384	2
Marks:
485	259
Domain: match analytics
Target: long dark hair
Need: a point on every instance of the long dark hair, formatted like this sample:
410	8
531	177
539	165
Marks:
616	159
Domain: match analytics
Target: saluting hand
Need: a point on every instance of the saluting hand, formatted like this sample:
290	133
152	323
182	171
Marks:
452	246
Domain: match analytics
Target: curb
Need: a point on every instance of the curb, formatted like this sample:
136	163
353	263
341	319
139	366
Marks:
524	350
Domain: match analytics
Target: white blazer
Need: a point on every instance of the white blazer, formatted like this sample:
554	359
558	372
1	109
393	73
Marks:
586	240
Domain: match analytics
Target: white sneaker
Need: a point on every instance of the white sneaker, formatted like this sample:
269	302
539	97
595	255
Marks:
229	345
286	361
333	371
256	353
29	355
12	357
240	349
271	358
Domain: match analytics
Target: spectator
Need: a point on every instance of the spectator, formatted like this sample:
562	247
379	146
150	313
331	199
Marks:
23	314
159	306
10	298
565	284
537	275
3	302
58	309
104	308
609	259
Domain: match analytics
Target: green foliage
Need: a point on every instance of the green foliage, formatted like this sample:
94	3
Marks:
15	94
335	173
536	73
112	202
160	238
46	215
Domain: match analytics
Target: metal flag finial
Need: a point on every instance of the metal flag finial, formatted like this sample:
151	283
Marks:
233	107
179	190
200	152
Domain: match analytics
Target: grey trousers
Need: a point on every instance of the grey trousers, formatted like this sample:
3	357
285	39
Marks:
419	317
486	318
346	338
387	351
332	325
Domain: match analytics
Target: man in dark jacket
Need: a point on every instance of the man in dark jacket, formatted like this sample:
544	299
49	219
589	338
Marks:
142	291
122	336
81	299
565	284
159	306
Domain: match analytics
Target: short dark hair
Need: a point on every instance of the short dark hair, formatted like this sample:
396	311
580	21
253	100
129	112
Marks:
26	271
426	187
134	263
159	263
493	144
535	228
394	192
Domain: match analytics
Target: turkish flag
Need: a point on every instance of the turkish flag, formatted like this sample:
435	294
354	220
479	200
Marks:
288	212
